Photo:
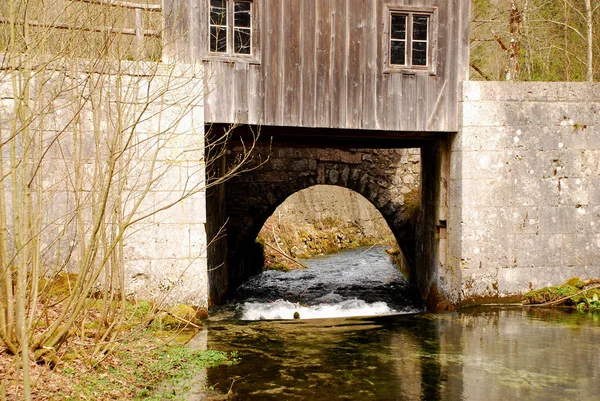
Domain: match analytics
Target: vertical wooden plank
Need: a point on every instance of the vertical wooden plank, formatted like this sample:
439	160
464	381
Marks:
220	86
167	34
436	109
308	68
421	102
139	33
176	16
397	90
228	86
464	37
187	29
385	111
270	56
292	63
224	81
240	92
280	60
370	77
257	74
339	65
355	71
323	62
255	95
209	95
198	35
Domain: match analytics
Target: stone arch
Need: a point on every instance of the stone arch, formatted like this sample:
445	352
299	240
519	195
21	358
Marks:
382	176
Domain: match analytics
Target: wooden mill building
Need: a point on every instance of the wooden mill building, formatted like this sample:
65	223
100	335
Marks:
377	65
353	73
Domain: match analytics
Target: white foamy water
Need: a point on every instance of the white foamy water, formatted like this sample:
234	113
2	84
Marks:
281	309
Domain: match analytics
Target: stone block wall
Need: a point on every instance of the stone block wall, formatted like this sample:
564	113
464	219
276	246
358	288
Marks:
322	202
154	114
384	177
524	202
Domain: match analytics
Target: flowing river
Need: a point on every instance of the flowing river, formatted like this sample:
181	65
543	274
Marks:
361	336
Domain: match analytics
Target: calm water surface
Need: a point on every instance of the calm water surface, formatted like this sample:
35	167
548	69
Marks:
400	354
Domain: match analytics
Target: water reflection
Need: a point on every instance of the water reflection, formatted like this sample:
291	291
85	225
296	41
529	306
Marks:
482	354
357	282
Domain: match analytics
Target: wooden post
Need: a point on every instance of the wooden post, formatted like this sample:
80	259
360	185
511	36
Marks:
139	33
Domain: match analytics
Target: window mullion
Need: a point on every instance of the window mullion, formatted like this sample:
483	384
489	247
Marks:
230	28
409	38
409	32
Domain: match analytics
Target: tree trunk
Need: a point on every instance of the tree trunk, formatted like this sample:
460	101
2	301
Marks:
590	31
514	49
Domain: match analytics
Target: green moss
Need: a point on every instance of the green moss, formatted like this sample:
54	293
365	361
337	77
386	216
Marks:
573	289
589	301
575	282
550	294
175	317
412	206
59	286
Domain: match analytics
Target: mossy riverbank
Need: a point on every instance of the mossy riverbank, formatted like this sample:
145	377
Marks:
285	243
575	292
148	359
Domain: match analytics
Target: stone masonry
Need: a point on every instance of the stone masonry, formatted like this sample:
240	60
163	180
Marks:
512	199
160	112
382	176
525	187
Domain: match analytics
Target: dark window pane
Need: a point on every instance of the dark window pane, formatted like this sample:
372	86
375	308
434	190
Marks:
419	53
218	16
398	52
398	26
218	12
242	18
241	41
218	39
420	28
242	6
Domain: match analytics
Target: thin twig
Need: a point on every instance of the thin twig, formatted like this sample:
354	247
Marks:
183	320
561	300
286	256
371	247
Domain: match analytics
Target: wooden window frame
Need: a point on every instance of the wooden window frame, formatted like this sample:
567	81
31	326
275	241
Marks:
432	34
229	55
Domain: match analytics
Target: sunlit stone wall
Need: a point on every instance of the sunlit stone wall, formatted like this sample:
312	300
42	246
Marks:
157	109
525	187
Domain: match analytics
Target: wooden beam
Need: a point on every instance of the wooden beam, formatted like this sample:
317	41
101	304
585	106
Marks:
124	4
335	138
110	29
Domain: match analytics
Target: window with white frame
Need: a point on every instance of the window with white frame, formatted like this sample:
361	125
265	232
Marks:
409	44
230	27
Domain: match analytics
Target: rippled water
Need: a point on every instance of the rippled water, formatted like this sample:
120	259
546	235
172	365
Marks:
359	282
478	354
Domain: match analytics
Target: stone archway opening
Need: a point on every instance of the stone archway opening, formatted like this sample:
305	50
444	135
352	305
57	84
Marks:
384	176
383	171
326	219
327	251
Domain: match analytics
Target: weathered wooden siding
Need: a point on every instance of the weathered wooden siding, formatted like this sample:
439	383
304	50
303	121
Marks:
322	65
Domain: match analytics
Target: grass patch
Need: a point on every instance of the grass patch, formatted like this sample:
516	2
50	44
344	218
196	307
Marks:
146	367
146	360
142	376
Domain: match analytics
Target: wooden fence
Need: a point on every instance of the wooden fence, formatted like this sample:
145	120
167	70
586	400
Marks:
138	31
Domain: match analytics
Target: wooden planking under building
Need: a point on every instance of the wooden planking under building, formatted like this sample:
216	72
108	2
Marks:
321	64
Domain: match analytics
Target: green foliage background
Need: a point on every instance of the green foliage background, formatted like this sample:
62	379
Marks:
553	39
